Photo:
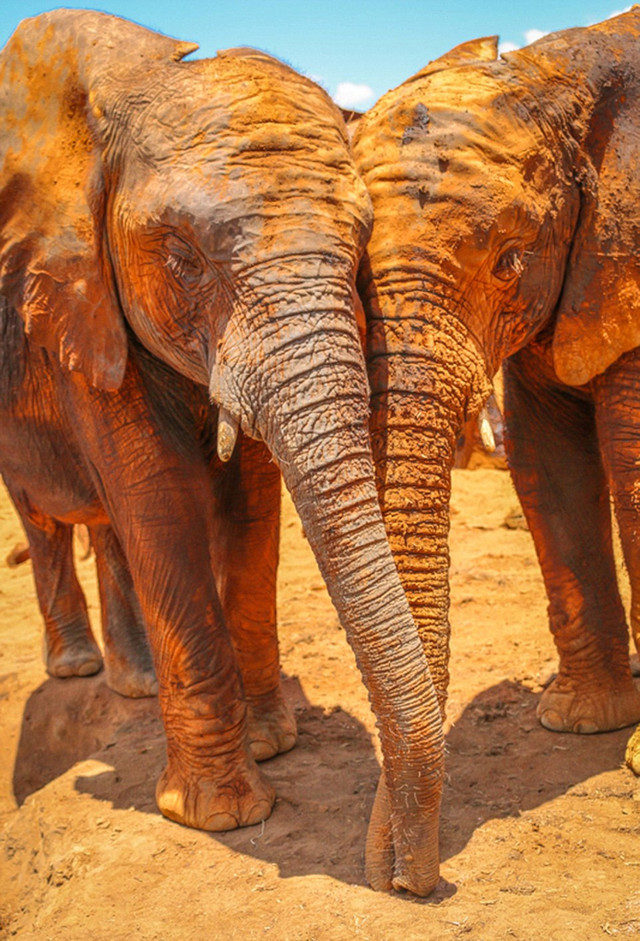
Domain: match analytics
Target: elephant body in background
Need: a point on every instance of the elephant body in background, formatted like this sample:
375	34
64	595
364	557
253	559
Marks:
175	234
48	469
51	488
505	195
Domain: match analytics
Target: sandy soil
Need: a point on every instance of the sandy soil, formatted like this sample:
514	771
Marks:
540	832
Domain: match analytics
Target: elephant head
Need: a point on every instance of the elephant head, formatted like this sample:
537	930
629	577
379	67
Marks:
212	208
504	194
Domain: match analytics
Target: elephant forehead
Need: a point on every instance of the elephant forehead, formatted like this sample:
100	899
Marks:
467	151
223	151
266	93
198	121
253	130
258	143
471	115
246	102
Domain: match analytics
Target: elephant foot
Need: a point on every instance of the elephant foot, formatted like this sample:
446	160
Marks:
632	755
271	726
565	708
131	680
80	658
401	861
206	804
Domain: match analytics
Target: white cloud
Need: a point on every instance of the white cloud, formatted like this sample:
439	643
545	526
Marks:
352	95
507	47
530	35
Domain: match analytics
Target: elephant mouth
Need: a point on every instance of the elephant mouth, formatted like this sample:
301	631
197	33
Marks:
233	413
227	434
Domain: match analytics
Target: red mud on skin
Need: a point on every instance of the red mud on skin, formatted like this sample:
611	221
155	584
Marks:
537	829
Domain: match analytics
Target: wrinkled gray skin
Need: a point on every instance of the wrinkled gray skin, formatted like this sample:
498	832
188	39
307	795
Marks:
210	208
505	197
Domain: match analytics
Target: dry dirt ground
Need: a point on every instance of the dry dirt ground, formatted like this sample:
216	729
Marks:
540	833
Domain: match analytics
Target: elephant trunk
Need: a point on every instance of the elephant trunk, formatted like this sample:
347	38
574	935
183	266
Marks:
427	376
311	409
331	479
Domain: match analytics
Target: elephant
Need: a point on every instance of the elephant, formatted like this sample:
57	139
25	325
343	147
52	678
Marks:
505	193
179	242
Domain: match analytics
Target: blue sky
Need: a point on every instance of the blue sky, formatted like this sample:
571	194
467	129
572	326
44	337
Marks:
357	49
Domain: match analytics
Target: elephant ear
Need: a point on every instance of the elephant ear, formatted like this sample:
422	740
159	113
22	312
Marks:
54	265
598	315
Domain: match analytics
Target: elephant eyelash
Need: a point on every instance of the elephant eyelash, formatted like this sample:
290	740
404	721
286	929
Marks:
509	265
185	268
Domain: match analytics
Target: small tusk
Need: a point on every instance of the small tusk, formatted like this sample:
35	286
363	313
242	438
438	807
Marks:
227	434
486	431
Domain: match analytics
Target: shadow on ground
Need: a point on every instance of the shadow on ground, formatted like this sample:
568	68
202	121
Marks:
67	721
501	761
326	785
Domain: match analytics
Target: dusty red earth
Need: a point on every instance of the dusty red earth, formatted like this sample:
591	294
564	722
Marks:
540	834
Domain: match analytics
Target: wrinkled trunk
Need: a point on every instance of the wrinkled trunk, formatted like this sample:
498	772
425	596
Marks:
426	377
336	498
311	409
332	485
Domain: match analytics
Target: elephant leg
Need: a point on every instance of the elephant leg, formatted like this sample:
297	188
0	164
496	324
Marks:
617	398
246	553
69	646
154	482
127	658
617	401
557	470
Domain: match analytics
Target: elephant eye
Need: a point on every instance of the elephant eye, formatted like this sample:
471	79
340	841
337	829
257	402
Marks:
182	260
509	265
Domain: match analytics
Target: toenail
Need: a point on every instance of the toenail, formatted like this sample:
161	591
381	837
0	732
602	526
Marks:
585	727
551	720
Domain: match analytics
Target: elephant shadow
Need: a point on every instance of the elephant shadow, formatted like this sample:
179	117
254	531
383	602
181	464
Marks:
500	761
325	786
66	721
